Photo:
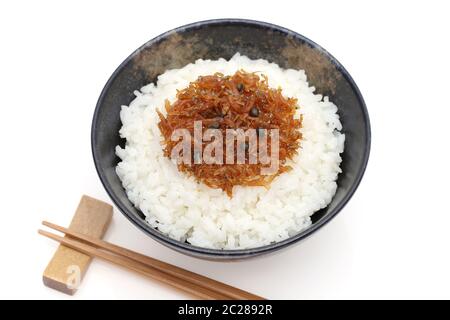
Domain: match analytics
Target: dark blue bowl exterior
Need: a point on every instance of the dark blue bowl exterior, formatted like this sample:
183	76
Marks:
223	38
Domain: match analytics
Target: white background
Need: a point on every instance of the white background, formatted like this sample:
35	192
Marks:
391	240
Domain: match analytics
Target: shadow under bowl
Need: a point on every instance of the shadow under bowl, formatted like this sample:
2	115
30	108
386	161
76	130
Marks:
214	39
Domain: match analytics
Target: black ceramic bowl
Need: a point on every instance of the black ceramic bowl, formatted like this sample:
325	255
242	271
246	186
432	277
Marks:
223	38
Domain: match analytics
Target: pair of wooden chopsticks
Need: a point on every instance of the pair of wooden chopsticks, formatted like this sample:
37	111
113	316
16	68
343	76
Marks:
190	282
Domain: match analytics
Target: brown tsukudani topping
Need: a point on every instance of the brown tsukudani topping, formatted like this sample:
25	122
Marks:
245	101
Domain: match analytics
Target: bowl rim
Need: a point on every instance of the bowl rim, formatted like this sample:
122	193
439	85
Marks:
227	253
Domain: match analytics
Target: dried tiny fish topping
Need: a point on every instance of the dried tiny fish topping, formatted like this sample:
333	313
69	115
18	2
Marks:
241	101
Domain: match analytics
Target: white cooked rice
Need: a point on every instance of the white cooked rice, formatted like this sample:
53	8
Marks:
186	210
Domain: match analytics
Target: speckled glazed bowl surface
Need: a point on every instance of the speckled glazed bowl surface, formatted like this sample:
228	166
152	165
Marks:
223	38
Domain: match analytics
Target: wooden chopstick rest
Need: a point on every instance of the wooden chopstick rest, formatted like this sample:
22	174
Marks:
68	266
